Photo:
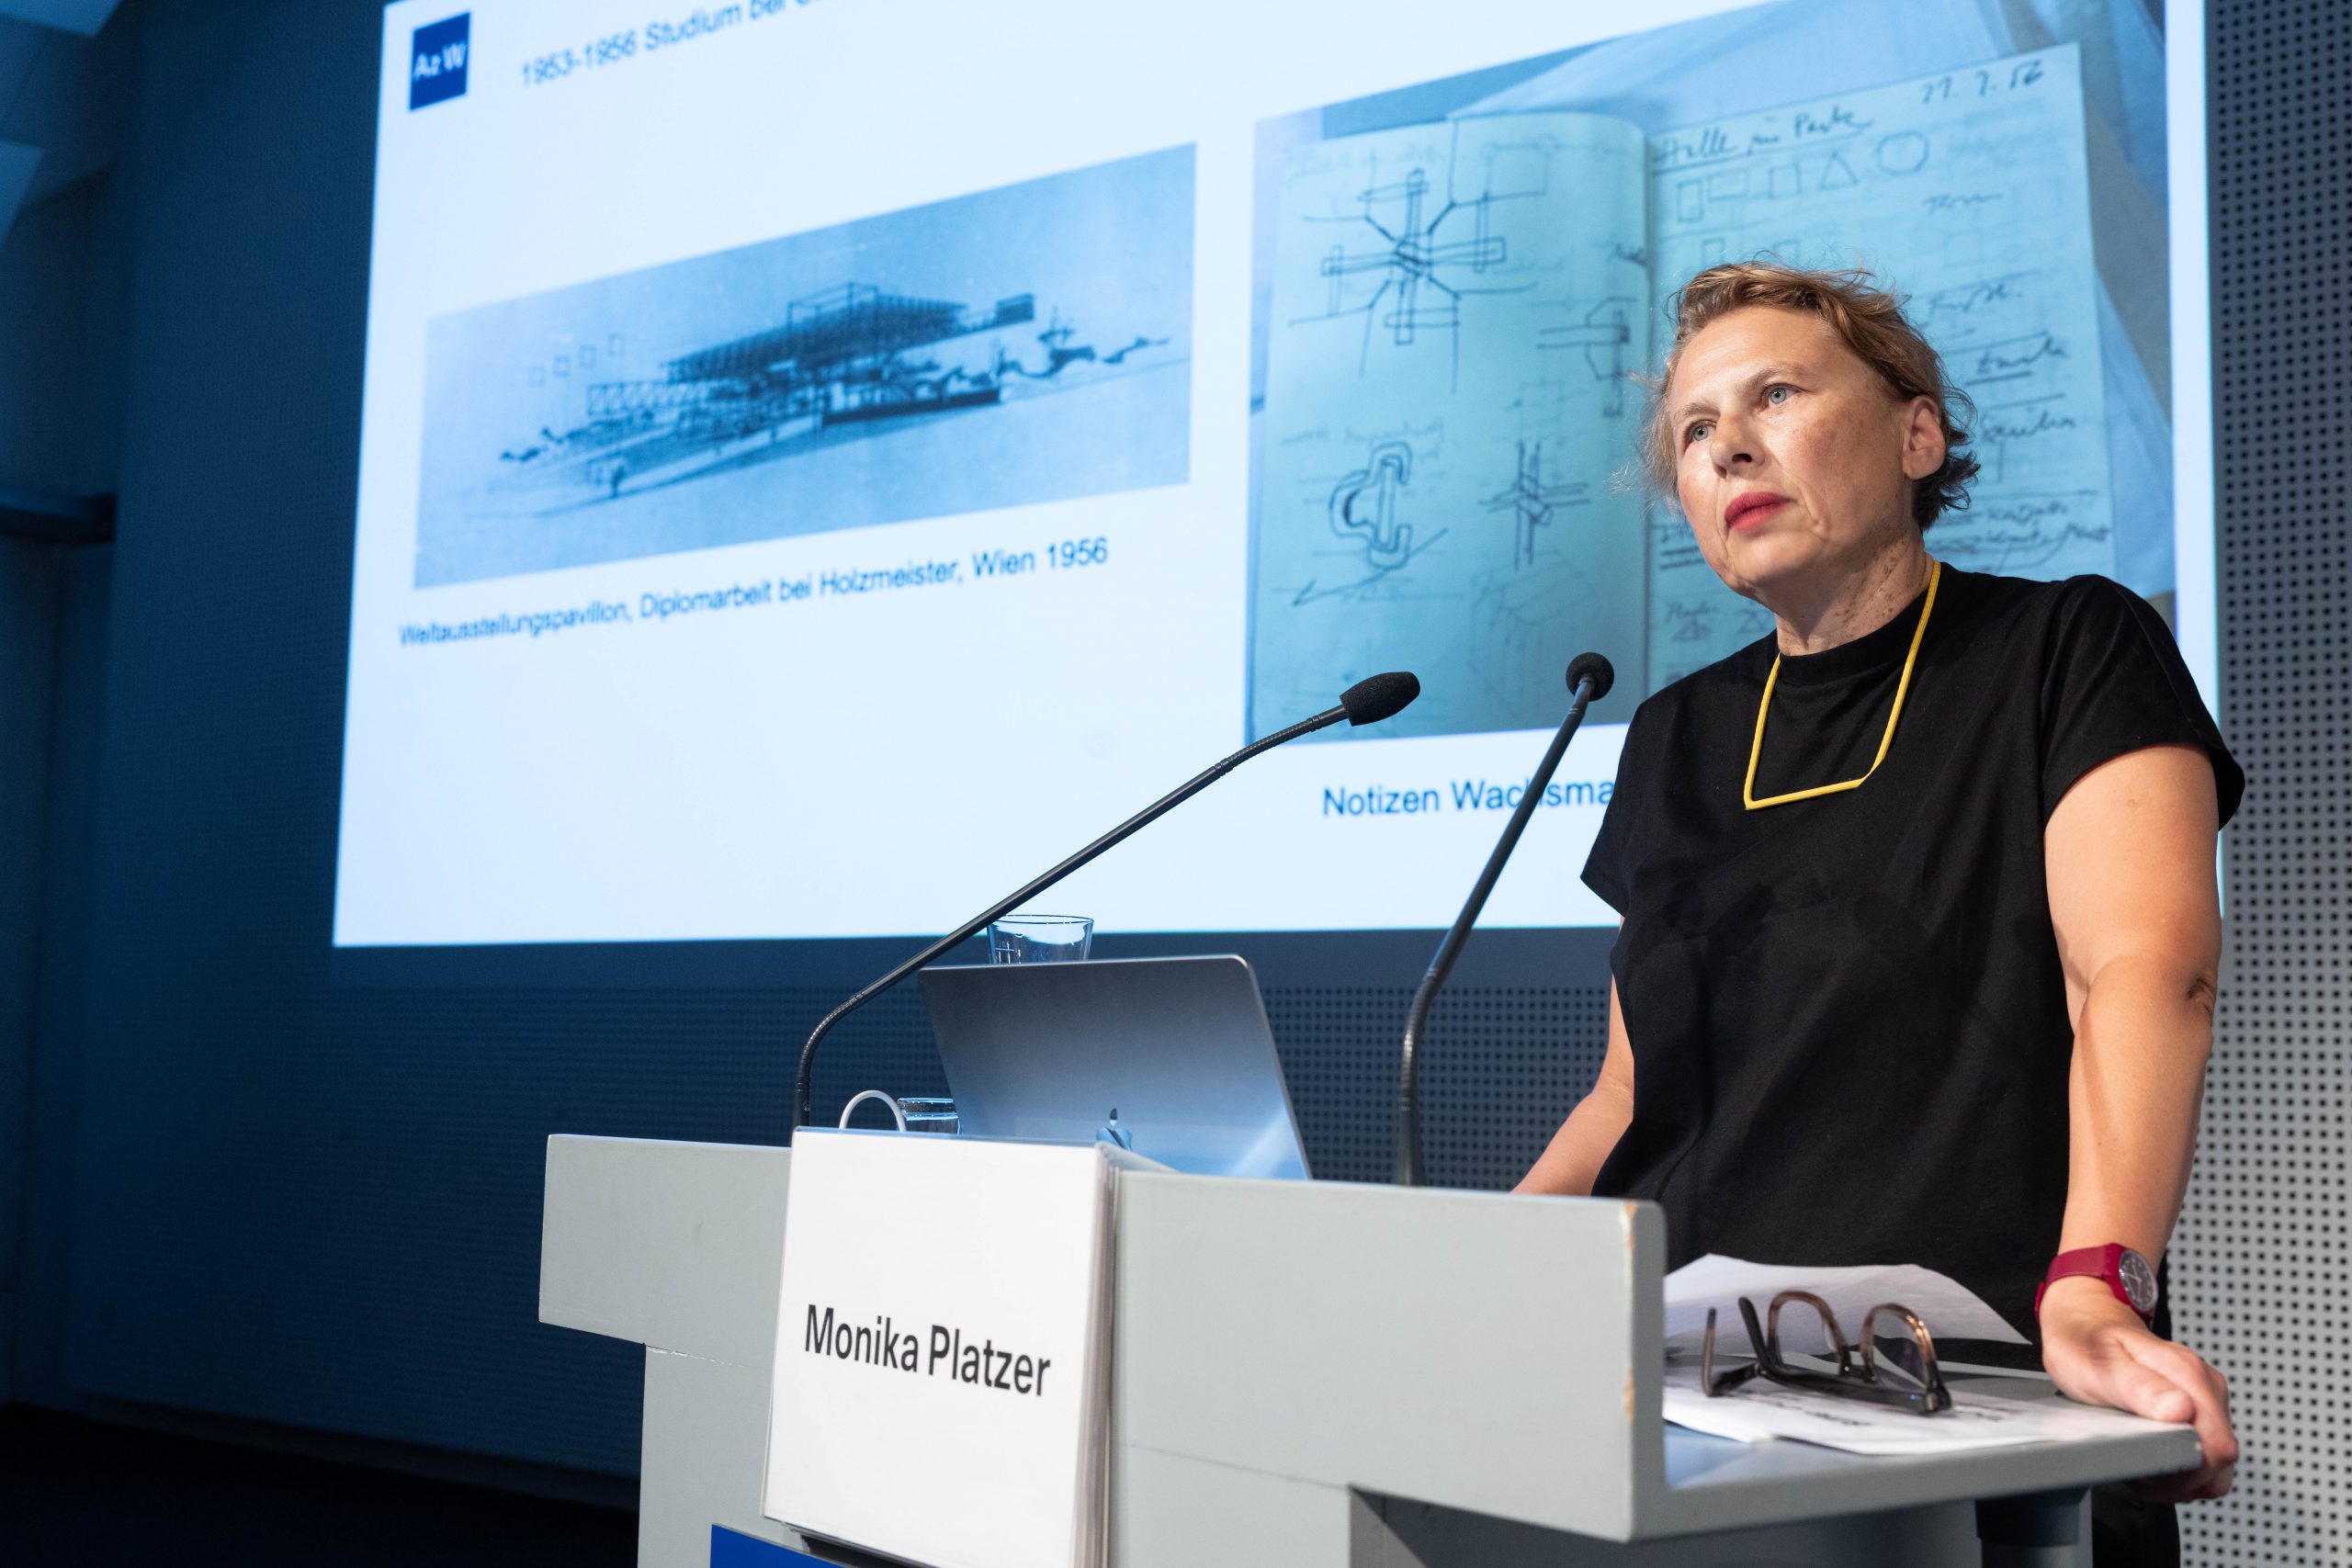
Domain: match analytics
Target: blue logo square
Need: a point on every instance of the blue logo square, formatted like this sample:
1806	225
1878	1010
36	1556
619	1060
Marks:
436	61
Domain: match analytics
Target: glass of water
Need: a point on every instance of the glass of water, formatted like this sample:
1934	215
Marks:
929	1115
1040	939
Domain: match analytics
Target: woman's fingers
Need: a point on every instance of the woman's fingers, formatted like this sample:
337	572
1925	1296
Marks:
2104	1372
2207	1394
2100	1361
2143	1390
2129	1369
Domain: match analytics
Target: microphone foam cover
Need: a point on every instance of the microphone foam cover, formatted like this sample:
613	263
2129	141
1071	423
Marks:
1591	664
1380	696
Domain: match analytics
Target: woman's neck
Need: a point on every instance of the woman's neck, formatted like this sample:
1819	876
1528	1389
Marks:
1856	604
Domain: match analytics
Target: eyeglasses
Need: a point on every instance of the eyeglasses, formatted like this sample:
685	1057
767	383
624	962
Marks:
1909	1377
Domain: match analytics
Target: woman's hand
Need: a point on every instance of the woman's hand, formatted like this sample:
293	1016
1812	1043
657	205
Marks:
2097	1349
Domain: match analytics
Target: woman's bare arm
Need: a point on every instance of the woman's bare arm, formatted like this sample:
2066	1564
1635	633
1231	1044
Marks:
2130	858
1574	1157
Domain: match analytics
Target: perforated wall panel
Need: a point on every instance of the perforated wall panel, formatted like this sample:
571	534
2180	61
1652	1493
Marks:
1499	1070
2263	1264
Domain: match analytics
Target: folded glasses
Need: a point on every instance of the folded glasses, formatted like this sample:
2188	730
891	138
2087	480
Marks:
1908	1379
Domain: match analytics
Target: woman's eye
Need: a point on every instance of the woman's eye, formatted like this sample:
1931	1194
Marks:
1698	431
1776	396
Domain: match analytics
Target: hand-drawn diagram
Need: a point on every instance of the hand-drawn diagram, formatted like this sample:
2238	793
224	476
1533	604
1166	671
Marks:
1417	267
1475	259
1410	263
1532	502
831	379
1902	152
1605	334
1387	544
1363	508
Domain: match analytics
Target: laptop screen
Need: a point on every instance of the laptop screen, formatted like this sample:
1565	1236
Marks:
1178	1048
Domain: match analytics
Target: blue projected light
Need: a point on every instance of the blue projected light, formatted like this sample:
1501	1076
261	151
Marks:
437	68
796	434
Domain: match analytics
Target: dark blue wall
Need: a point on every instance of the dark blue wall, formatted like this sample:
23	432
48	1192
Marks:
28	586
289	1202
56	963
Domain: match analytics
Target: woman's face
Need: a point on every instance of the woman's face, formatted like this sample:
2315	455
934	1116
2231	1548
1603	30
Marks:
1794	465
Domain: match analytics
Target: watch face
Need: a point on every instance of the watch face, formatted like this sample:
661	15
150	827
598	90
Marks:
2139	1280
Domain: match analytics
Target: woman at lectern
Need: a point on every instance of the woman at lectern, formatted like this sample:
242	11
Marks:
1920	926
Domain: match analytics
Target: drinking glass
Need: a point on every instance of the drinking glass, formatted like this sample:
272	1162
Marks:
929	1115
1040	939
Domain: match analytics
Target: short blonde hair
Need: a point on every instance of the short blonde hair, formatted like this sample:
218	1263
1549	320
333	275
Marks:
1869	320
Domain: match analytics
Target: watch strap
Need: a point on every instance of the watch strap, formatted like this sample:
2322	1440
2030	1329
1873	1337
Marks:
2105	1262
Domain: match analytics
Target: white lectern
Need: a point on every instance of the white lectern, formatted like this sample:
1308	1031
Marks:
1313	1375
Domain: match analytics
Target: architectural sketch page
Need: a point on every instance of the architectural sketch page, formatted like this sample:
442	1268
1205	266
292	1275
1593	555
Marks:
1970	187
1456	308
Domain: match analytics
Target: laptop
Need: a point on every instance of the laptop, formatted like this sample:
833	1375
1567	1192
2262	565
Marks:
1179	1048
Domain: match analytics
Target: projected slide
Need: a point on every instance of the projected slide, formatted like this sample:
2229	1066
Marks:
823	460
818	381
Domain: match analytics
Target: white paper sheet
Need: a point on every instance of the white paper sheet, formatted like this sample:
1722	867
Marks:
921	1372
1949	1309
1760	1410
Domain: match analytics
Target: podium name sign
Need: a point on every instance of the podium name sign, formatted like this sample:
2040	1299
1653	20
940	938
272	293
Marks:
978	1362
940	1374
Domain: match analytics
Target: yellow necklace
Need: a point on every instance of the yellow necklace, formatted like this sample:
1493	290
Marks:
1756	752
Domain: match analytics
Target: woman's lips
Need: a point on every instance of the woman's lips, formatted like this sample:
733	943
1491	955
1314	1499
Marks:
1749	510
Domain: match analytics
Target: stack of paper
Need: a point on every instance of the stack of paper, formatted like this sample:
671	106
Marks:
1949	1309
1759	1409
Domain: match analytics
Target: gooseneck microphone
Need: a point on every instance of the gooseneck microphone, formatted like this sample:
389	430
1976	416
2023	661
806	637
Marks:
1367	702
1589	678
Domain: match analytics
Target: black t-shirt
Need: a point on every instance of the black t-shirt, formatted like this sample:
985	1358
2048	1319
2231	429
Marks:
1848	1022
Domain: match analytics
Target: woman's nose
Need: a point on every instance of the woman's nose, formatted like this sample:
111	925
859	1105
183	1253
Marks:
1731	445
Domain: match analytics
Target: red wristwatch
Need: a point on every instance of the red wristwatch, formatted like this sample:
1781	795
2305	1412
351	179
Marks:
2128	1275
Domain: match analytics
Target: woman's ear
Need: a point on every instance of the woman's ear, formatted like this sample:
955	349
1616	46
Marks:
1923	438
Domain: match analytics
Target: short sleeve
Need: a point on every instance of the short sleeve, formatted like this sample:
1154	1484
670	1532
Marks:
1605	867
2115	683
